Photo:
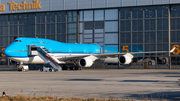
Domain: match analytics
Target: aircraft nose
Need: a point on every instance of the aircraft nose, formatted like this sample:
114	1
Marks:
7	51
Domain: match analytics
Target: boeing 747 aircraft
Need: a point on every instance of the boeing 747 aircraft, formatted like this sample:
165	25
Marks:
45	51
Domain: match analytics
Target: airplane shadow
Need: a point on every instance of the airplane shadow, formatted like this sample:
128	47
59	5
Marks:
140	81
157	73
175	96
8	69
84	80
172	76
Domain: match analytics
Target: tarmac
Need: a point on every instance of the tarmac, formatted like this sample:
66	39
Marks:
117	83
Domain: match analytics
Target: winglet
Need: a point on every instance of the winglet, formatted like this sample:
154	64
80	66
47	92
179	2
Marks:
172	49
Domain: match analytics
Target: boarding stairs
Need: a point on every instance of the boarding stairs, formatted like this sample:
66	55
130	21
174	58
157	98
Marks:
45	55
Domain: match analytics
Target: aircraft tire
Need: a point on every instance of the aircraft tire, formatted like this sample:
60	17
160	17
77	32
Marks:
22	69
50	70
76	68
163	61
150	63
80	68
68	68
41	70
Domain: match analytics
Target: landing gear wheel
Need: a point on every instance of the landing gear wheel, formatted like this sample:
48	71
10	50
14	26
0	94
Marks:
80	68
163	61
22	69
41	70
50	70
68	68
150	63
76	68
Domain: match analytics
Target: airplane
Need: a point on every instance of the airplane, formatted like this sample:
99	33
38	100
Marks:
45	51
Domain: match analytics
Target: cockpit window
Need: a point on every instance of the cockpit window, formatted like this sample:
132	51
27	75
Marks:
17	41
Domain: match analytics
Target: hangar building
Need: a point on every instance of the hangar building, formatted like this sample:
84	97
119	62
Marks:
117	25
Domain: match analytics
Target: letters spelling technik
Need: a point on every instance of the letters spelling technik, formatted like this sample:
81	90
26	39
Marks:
22	6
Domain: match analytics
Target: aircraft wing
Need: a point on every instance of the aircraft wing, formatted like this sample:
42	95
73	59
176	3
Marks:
108	55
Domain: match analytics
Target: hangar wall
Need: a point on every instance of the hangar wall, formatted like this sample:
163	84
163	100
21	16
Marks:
53	5
117	25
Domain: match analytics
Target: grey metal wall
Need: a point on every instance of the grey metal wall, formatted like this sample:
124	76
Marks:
52	5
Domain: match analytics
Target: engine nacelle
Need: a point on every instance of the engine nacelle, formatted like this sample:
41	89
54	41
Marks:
85	62
126	59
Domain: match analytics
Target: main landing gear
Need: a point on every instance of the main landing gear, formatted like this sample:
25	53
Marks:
22	67
71	67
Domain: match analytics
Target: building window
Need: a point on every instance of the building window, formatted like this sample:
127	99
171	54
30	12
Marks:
125	37
31	30
71	39
149	47
98	15
4	31
111	49
80	27
110	12
3	41
22	18
61	16
175	36
61	28
3	19
137	37
111	38
162	11
61	38
23	30
125	13
111	26
50	29
175	24
40	29
149	12
137	48
71	16
162	47
40	17
88	15
52	37
150	37
13	19
13	30
150	24
31	18
99	25
71	28
137	25
81	15
175	11
162	37
162	24
88	25
125	25
137	12
50	17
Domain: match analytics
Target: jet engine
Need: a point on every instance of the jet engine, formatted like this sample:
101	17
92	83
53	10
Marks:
85	62
126	59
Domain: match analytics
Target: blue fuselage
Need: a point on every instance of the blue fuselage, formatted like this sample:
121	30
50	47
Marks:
19	47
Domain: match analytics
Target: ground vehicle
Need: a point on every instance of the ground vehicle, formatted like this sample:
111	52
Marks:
46	69
22	67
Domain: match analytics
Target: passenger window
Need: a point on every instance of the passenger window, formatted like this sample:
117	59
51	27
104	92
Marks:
17	41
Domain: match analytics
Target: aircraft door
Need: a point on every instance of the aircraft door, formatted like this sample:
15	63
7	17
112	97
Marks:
32	50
